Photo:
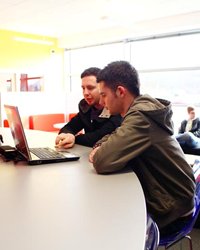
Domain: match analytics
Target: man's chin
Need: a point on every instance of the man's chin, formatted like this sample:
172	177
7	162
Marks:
90	103
113	112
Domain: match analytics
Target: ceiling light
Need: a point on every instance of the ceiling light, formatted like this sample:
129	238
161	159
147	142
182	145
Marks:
29	40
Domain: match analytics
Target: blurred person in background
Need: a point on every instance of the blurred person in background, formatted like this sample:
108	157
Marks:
189	131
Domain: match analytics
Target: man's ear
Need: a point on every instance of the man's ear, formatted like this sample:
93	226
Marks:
120	92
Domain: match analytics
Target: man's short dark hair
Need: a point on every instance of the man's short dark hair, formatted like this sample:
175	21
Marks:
190	108
93	71
120	73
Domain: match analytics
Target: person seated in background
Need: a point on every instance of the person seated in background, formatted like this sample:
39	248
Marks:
189	132
144	143
92	116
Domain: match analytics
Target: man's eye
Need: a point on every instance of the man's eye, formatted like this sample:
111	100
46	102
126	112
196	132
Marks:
91	88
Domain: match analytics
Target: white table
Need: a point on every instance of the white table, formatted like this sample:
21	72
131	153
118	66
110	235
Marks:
191	158
59	125
67	206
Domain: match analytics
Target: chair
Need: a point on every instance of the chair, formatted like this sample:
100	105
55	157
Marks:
170	240
152	235
196	170
5	123
45	122
25	122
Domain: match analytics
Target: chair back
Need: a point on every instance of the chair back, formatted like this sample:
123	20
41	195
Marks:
196	170
45	122
25	122
5	123
172	239
152	235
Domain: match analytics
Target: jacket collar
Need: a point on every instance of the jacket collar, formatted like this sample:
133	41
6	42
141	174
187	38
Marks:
85	108
105	113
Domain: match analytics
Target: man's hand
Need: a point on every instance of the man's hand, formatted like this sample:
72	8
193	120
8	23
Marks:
93	152
65	140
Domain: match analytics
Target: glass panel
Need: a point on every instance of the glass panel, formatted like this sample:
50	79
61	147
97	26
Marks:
97	56
180	87
7	82
169	67
171	52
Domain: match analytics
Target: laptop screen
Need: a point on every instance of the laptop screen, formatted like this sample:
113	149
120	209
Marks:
17	130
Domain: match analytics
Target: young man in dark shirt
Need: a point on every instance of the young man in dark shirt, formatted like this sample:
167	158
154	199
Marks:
92	116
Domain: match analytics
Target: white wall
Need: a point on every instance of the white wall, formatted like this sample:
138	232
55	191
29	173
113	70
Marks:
35	103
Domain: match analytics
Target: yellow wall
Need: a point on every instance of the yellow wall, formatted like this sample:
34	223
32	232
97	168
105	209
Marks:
16	54
28	57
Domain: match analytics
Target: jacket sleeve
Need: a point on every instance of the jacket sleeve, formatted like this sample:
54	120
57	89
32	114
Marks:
128	141
74	126
90	138
197	131
182	128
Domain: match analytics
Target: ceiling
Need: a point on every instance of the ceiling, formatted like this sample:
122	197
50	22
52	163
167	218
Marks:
98	20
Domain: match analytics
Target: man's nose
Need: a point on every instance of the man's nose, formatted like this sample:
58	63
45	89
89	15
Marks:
101	101
85	92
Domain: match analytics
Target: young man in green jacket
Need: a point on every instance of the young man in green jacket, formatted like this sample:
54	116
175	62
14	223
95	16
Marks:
144	143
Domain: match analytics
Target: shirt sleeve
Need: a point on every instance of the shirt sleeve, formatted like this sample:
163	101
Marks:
182	128
90	138
197	132
74	126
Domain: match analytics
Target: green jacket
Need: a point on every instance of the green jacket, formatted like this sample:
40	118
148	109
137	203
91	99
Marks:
144	142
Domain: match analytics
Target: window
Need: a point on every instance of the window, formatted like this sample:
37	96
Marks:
168	66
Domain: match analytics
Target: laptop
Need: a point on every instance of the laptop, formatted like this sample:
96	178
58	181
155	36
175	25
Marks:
34	156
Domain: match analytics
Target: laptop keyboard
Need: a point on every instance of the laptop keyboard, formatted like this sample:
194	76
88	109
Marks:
46	153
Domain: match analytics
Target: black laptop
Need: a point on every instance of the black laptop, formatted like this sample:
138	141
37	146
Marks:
34	156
